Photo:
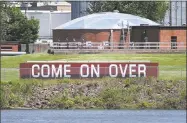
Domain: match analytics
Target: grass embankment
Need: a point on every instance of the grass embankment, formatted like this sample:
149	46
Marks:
166	92
103	93
171	66
162	59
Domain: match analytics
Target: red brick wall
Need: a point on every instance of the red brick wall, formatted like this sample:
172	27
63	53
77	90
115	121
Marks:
89	35
116	35
15	48
10	47
165	36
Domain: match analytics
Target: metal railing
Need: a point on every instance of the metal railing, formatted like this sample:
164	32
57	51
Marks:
35	48
127	45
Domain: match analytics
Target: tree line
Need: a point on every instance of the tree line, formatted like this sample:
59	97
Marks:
153	10
15	26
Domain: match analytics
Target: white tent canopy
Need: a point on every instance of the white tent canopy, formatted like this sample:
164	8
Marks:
106	20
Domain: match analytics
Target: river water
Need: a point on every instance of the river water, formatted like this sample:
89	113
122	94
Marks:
93	116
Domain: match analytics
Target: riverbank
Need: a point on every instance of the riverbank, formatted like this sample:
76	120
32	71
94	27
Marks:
103	93
168	91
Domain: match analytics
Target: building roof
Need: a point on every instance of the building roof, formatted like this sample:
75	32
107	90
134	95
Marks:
106	20
163	27
53	3
44	11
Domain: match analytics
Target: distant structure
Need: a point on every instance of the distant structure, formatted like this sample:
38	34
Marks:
177	13
48	20
120	29
47	6
175	16
78	9
99	27
49	14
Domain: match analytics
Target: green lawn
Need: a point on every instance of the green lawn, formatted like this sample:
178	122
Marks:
170	65
175	60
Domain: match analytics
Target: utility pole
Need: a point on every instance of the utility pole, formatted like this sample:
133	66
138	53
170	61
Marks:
25	6
123	33
170	13
112	42
176	8
181	13
128	28
186	12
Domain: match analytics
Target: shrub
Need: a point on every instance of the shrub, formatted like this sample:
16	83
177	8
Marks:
98	102
111	98
69	103
145	104
183	94
171	103
15	100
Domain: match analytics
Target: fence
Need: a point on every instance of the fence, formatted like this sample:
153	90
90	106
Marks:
60	46
35	48
107	45
164	72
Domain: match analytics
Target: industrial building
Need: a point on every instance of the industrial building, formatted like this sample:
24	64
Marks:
176	15
50	15
97	27
48	20
43	6
169	37
79	9
119	29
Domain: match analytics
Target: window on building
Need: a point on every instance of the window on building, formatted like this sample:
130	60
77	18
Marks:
173	42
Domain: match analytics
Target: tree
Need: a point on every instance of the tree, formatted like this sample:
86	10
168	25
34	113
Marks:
153	10
17	27
3	25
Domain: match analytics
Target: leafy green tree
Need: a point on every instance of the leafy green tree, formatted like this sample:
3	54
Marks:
153	10
16	26
3	25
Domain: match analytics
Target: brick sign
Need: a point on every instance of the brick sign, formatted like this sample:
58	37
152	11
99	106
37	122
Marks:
87	69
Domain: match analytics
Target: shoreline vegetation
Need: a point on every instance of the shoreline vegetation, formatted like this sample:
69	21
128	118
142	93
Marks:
102	93
168	91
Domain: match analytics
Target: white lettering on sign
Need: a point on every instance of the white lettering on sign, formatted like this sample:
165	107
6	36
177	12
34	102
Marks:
56	71
93	70
66	70
143	70
45	71
131	70
87	70
33	72
116	70
123	72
